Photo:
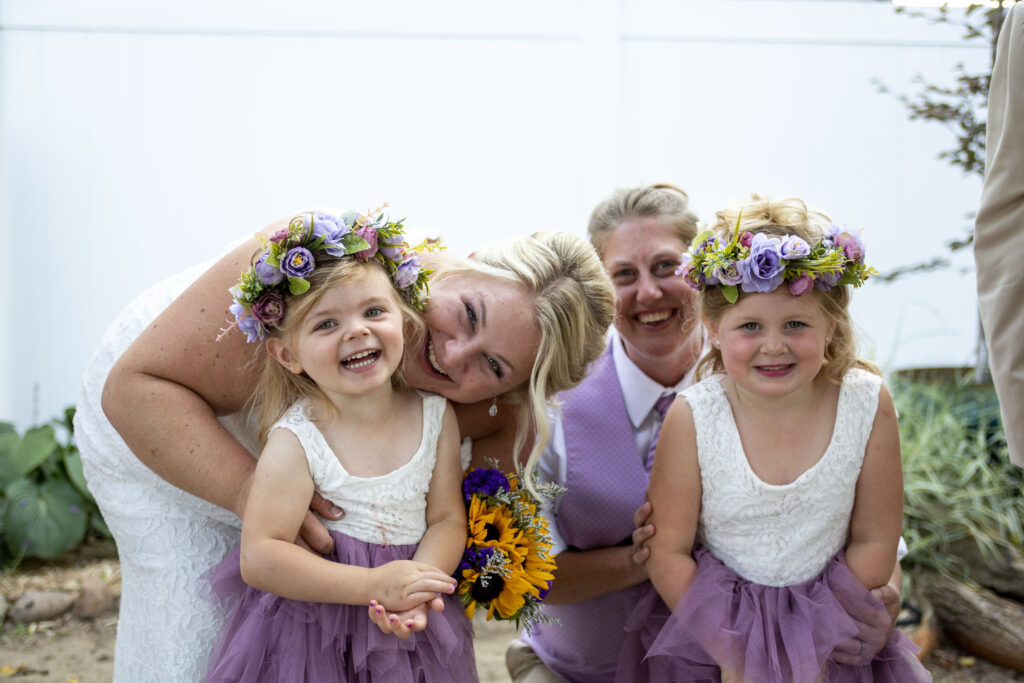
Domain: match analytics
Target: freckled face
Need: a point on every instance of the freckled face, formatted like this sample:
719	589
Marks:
351	342
773	343
655	308
481	339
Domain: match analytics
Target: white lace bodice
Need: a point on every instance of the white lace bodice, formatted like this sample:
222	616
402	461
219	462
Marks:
779	535
388	509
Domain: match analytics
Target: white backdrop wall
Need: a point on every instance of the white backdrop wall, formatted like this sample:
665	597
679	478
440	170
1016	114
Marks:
140	138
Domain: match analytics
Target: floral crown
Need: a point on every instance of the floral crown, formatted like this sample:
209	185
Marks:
759	263
289	257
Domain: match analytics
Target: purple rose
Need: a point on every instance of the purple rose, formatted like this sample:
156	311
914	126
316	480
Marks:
298	262
246	323
332	230
851	245
279	235
408	272
794	248
762	269
801	285
686	271
368	233
729	275
826	281
746	238
484	481
394	250
269	308
268	274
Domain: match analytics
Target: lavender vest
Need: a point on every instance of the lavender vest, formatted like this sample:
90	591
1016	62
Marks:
605	482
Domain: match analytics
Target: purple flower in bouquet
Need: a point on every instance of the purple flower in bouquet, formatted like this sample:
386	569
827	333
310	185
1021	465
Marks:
474	558
793	248
298	262
484	481
746	239
269	308
408	271
268	274
279	236
368	233
801	285
762	269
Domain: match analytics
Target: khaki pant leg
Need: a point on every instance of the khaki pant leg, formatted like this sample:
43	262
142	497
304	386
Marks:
524	666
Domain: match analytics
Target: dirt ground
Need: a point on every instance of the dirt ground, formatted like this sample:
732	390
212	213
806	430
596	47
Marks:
67	650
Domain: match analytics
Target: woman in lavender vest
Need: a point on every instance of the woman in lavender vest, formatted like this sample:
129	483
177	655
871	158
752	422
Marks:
601	444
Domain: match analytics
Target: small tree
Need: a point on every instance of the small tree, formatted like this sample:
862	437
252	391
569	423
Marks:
961	107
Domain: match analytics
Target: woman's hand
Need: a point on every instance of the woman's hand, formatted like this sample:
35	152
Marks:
873	629
404	624
403	584
313	535
642	533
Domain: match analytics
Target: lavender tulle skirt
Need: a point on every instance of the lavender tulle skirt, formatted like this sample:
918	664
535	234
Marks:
270	638
763	633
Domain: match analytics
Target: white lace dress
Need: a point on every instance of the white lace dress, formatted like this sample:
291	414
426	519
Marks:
772	595
166	538
271	638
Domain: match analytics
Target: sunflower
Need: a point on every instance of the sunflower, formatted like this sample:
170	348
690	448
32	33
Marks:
494	526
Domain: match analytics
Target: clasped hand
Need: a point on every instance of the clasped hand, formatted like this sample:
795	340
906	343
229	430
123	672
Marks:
408	590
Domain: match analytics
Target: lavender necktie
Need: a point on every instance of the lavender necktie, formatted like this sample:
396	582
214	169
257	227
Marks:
660	407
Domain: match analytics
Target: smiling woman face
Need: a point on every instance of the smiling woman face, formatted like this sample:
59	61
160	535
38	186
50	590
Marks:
481	338
655	308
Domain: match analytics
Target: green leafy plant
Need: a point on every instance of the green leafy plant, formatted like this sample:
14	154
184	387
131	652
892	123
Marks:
45	505
957	478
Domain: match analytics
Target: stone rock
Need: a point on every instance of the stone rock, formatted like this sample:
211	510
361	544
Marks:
3	608
94	600
40	605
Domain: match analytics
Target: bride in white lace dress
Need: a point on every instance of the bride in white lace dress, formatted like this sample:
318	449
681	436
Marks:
168	451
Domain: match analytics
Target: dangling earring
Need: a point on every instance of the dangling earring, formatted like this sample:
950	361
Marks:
493	410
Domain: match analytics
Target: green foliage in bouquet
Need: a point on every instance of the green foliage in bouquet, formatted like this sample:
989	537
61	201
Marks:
959	485
45	506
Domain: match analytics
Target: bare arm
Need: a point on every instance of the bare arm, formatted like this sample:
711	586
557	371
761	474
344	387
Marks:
586	574
445	537
674	493
878	508
270	561
164	394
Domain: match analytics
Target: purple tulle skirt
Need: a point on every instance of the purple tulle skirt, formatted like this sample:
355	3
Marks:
763	633
270	638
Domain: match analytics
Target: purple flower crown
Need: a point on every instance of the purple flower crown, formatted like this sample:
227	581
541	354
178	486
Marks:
759	263
289	256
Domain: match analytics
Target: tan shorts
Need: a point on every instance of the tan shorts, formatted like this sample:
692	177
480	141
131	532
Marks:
524	666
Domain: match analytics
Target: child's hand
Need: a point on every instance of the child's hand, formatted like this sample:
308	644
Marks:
403	624
404	584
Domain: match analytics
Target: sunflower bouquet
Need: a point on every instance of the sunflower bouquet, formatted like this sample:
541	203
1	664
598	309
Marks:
506	568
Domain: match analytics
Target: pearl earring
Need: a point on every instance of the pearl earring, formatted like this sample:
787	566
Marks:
493	410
